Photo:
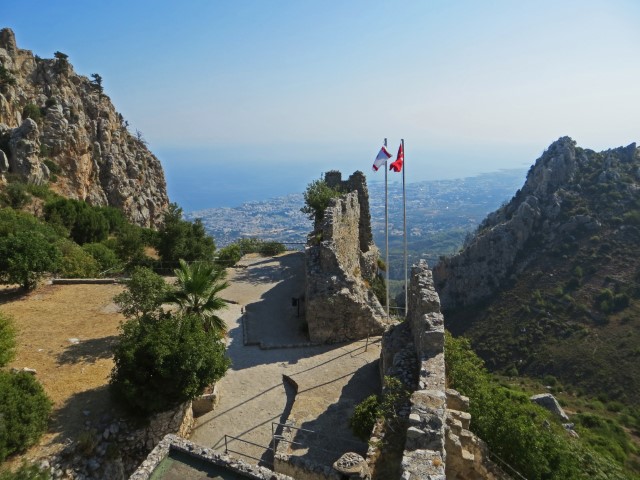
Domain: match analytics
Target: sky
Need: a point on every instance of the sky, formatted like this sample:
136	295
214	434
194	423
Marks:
251	98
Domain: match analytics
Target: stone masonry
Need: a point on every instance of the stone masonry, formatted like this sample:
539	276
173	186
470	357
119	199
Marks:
438	443
341	261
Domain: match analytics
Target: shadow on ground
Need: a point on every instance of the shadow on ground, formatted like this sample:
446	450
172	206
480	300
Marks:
272	269
332	435
88	351
68	421
12	293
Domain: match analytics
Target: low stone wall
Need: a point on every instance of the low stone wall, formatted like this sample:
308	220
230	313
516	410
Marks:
424	454
173	442
87	281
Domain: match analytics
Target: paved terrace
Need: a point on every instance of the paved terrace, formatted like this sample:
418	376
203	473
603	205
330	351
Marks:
330	379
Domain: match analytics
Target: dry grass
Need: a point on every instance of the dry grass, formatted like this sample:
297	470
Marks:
74	375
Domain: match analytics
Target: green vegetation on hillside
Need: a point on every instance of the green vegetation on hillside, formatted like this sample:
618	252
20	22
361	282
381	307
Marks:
568	313
528	437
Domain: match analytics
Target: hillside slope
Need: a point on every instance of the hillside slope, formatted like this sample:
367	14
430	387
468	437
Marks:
550	282
60	127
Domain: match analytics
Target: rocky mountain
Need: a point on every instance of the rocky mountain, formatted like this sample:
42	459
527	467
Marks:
60	127
550	282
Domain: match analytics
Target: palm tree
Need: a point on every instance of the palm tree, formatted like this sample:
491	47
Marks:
196	293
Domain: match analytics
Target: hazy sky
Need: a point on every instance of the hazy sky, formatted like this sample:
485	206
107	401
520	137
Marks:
472	86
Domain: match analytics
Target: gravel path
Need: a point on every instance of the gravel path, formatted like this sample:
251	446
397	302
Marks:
330	378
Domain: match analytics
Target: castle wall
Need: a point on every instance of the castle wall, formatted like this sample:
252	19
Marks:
339	304
438	443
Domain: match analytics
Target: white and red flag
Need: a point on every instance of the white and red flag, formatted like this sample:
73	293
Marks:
382	157
397	165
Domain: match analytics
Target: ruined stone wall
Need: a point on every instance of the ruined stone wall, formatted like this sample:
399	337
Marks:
339	303
438	443
356	183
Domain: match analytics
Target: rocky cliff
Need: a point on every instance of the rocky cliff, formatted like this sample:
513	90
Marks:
60	127
549	285
549	210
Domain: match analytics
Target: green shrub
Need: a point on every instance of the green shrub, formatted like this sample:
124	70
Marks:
180	239
316	198
85	224
129	244
145	293
271	248
379	288
106	258
6	77
364	417
161	362
26	256
229	255
75	262
32	111
24	412
510	424
41	191
15	195
25	472
90	226
7	339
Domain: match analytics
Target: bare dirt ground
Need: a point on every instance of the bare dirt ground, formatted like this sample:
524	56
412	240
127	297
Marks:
66	333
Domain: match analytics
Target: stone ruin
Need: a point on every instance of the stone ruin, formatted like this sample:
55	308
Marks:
341	262
438	442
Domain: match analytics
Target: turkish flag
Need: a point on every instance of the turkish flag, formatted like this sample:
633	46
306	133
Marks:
397	165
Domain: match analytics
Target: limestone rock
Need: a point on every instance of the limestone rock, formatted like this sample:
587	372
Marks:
352	465
537	216
548	401
80	132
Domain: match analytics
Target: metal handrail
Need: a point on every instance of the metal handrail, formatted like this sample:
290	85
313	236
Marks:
512	470
227	450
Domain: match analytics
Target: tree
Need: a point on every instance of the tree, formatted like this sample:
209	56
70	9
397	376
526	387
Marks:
196	293
90	225
62	62
316	199
165	361
145	293
129	245
180	239
97	82
26	256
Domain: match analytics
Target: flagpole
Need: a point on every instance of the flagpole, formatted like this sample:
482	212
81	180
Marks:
386	231
404	219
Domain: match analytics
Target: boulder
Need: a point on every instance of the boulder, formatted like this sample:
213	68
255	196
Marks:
548	401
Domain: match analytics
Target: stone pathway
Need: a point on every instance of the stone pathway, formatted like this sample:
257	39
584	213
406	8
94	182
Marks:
330	378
